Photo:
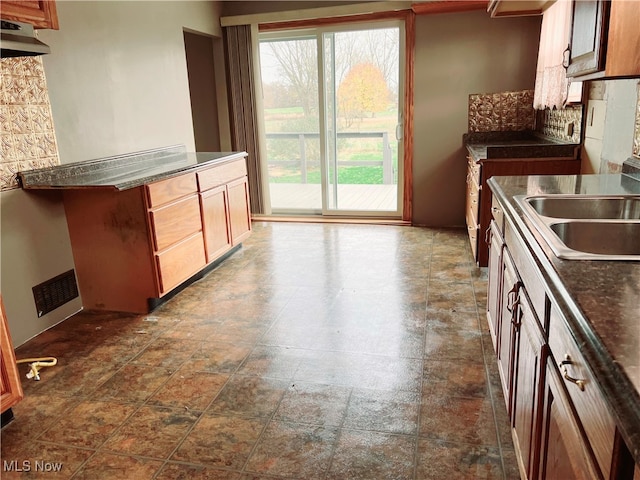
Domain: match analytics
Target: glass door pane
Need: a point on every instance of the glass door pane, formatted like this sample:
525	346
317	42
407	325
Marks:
289	69
361	93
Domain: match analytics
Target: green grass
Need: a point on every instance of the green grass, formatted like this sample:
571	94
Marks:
346	175
280	111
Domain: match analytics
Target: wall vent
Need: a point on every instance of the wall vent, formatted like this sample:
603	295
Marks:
55	292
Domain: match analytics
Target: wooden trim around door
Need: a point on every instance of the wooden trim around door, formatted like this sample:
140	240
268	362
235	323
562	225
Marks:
409	48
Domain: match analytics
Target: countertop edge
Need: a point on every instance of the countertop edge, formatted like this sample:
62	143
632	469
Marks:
32	179
611	379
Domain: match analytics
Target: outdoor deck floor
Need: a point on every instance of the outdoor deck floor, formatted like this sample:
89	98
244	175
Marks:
296	196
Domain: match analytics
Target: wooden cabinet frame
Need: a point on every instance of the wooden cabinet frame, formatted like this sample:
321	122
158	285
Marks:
10	385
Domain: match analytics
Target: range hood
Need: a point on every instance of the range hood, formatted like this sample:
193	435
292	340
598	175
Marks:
18	40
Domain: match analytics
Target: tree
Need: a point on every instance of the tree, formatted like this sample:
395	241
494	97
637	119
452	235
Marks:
363	90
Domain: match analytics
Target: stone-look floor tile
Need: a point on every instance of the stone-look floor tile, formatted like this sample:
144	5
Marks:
273	362
383	411
439	460
313	403
33	415
368	455
106	466
241	334
293	450
89	424
189	390
43	460
220	441
167	352
249	396
214	356
192	329
452	320
133	383
72	377
462	346
176	471
454	378
461	420
151	432
456	296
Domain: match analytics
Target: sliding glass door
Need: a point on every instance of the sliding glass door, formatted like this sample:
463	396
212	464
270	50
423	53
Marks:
332	119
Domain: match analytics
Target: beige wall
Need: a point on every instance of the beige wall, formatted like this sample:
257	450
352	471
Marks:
457	55
117	83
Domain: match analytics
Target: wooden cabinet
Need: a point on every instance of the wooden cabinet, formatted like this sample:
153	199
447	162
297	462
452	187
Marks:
588	37
479	198
39	13
564	452
224	200
10	386
560	421
133	247
605	39
527	379
175	226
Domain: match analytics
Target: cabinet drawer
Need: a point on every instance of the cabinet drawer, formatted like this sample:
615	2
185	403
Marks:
171	189
221	174
473	170
173	222
589	404
472	230
497	213
179	262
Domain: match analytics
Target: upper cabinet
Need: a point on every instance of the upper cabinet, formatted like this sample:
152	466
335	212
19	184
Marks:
512	8
605	39
39	13
588	38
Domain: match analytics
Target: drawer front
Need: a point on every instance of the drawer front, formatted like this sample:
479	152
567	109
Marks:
221	174
173	222
589	404
528	272
473	197
179	262
497	213
473	171
472	230
166	191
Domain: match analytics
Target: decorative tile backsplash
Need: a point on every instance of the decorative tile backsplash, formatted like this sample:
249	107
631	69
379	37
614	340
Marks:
553	123
636	132
27	138
500	112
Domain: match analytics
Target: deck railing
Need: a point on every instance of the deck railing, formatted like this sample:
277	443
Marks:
388	176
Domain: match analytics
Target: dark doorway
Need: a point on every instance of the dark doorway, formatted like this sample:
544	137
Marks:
202	88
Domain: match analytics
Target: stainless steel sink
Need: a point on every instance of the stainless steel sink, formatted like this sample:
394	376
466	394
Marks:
582	227
586	207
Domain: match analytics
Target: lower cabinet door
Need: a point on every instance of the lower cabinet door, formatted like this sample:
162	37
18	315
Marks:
508	334
10	386
181	261
239	211
494	284
215	222
564	452
527	374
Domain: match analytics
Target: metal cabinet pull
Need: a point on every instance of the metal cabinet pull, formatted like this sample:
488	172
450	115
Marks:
513	294
563	368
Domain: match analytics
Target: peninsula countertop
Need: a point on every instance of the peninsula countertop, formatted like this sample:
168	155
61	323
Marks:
497	146
598	298
123	172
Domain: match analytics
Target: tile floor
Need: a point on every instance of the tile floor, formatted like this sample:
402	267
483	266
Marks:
315	352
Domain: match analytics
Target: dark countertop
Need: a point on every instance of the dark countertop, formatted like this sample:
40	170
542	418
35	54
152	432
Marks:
599	299
124	171
508	145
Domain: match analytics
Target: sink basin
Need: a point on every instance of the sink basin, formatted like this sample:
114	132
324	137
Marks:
611	238
582	227
586	207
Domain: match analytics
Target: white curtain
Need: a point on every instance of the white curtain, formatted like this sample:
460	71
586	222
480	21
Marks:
552	85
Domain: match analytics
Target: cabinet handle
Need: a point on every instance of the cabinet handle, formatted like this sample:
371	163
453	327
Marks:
566	57
563	368
488	236
513	294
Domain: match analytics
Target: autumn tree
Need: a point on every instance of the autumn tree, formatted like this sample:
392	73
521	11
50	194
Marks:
363	91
